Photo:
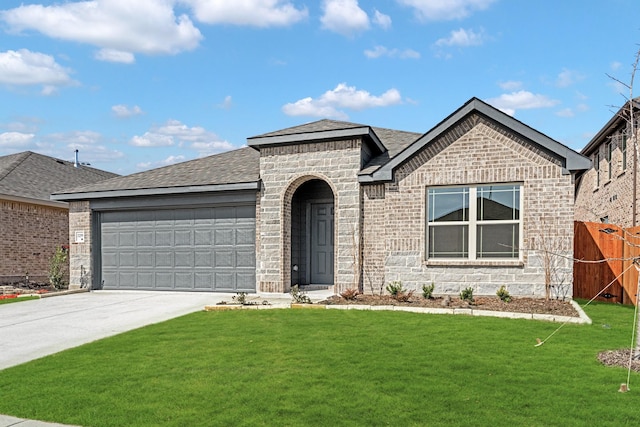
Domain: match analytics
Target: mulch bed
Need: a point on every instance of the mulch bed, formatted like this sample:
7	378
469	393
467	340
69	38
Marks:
619	358
517	305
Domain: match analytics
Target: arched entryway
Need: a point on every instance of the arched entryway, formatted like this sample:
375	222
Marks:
312	234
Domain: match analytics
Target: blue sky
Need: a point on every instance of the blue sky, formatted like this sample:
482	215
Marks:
140	84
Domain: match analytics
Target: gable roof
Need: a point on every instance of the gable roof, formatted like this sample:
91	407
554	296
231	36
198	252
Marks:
571	160
618	120
35	176
232	170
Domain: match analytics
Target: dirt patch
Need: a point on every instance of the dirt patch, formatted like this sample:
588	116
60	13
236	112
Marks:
620	358
516	305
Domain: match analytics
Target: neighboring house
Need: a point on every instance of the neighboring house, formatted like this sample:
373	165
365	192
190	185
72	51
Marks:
339	204
31	224
608	192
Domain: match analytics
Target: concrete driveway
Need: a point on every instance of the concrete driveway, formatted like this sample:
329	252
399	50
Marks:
33	329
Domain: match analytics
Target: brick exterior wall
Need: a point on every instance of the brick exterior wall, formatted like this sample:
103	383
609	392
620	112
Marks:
30	234
283	170
474	152
609	198
80	273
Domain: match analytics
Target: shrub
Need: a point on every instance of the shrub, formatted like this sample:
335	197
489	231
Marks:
240	298
503	294
427	290
57	268
299	296
395	287
350	294
467	295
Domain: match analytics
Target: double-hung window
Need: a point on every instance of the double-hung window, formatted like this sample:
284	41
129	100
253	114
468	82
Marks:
474	222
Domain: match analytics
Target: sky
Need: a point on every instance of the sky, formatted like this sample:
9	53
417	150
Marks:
135	85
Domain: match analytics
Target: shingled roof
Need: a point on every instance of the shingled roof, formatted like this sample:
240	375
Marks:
36	176
230	169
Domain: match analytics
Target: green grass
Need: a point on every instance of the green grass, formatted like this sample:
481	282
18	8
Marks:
12	300
335	368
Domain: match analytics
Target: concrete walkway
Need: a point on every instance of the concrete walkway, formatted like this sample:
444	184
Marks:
33	329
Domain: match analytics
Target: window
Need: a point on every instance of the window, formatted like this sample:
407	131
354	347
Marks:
623	148
475	222
596	165
608	151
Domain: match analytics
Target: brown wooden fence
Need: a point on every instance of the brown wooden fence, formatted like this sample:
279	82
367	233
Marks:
616	247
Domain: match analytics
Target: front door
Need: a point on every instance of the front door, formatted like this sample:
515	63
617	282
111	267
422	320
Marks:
322	243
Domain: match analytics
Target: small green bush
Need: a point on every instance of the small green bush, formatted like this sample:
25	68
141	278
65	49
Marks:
57	268
395	287
427	291
503	294
467	295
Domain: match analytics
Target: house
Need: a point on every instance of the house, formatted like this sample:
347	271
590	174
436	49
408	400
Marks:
608	192
32	225
338	204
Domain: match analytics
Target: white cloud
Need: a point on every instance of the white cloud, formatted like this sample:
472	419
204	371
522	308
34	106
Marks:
24	68
15	139
174	132
331	103
257	13
171	160
521	100
615	65
380	51
444	10
113	55
567	78
510	85
90	145
344	17
124	111
382	20
462	38
118	27
227	103
565	112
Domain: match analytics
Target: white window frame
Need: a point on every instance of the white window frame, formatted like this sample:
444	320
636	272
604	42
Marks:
472	223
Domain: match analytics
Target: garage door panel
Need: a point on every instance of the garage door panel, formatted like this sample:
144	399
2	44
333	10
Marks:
200	249
203	259
245	236
164	280
223	259
164	259
164	238
203	238
182	238
183	280
245	281
223	237
224	280
245	259
144	238
184	259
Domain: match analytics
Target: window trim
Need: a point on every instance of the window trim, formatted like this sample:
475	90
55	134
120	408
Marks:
608	156
472	224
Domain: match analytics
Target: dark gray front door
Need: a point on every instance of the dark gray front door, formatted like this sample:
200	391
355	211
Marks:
322	243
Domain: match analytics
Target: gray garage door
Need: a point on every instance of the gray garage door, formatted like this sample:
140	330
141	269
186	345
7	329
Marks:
200	249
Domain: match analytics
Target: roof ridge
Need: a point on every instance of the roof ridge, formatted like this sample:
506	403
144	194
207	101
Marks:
21	157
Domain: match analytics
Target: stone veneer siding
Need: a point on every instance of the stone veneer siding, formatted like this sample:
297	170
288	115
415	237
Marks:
283	169
80	270
30	235
612	198
474	152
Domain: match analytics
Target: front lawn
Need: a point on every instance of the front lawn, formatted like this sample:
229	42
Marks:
335	367
8	299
